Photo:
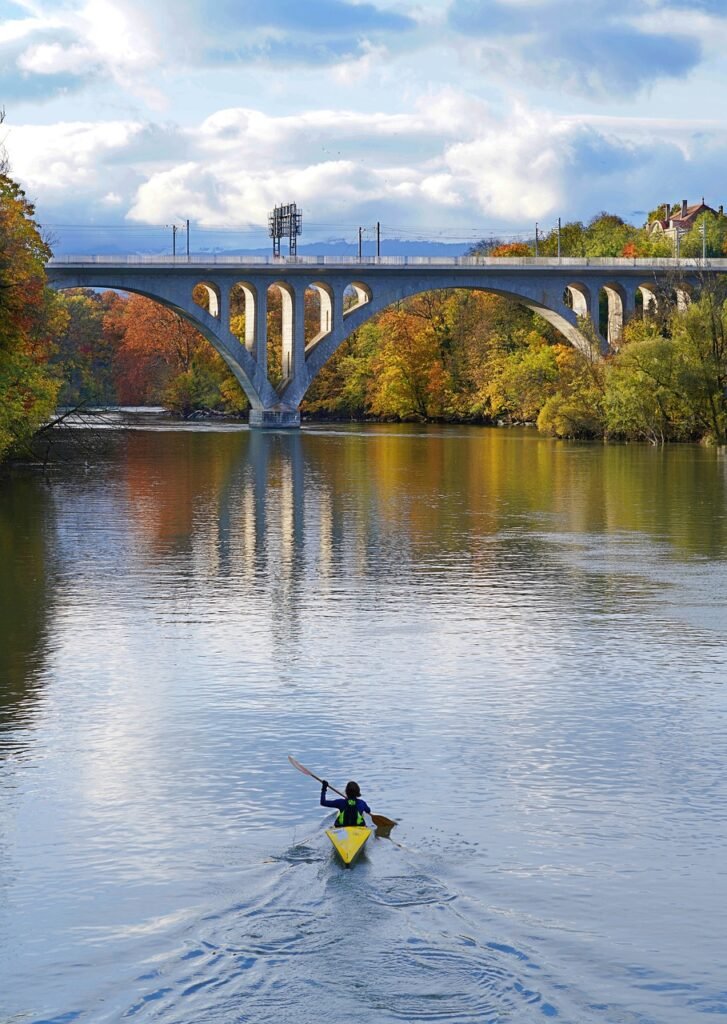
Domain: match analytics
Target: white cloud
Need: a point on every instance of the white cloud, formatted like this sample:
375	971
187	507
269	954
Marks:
67	157
123	42
58	48
450	159
598	49
516	170
53	59
21	28
442	189
358	69
709	30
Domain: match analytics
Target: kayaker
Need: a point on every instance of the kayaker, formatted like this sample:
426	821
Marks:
351	810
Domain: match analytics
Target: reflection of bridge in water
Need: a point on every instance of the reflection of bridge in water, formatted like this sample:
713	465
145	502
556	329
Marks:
563	291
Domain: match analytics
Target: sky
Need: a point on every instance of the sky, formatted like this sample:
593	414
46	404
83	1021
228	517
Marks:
440	119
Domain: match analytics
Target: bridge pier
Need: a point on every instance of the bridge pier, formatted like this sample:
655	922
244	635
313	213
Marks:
275	419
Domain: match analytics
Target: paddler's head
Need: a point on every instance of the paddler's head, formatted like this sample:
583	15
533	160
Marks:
353	790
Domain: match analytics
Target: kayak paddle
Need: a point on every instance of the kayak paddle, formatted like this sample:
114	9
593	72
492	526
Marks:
380	820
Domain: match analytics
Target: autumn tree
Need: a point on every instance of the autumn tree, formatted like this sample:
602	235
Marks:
342	386
512	249
163	359
410	380
84	355
30	317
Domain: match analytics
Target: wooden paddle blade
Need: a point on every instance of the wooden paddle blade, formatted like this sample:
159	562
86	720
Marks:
306	771
382	822
302	768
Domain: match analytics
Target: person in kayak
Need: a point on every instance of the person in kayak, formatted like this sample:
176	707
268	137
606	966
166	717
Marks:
351	810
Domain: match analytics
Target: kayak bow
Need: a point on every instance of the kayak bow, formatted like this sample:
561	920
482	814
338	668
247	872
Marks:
348	842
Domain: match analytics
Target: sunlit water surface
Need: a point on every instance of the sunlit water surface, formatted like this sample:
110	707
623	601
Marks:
517	646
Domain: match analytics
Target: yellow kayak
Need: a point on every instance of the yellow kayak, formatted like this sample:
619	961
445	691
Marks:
348	842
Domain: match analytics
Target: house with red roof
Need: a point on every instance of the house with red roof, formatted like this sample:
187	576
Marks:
674	225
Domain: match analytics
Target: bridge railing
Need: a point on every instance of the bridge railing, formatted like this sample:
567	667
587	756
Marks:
536	262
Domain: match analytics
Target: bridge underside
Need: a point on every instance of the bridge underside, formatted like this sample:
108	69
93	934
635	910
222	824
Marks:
348	298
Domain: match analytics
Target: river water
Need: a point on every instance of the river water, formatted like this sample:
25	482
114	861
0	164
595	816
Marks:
517	646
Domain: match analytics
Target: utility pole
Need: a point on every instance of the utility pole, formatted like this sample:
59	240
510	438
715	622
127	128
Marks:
536	238
174	241
378	241
360	245
187	238
558	237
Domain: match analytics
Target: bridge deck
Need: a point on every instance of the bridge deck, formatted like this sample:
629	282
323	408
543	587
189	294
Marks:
535	263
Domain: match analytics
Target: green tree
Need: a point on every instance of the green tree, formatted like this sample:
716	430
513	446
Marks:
576	406
700	335
642	400
607	234
708	234
572	240
523	378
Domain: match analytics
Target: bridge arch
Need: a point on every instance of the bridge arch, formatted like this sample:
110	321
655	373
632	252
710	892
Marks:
683	294
248	293
290	315
649	297
325	297
362	293
577	297
616	300
233	352
206	295
655	297
372	302
152	296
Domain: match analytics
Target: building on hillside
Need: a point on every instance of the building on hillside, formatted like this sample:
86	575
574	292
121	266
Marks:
674	225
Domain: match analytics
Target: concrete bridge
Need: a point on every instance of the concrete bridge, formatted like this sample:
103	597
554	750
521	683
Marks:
563	291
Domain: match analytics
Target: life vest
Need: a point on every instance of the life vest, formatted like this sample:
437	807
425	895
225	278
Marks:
350	816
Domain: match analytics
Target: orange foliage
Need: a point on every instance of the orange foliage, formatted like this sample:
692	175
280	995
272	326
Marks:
410	380
512	249
156	344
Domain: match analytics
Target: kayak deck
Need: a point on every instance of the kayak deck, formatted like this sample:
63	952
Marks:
348	842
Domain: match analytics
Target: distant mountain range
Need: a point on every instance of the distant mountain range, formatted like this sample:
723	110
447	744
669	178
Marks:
391	247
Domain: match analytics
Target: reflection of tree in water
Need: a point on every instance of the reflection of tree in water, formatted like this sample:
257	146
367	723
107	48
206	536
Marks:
413	491
171	484
25	595
267	509
261	520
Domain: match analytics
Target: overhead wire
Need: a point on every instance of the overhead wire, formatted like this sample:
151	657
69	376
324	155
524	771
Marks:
398	231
